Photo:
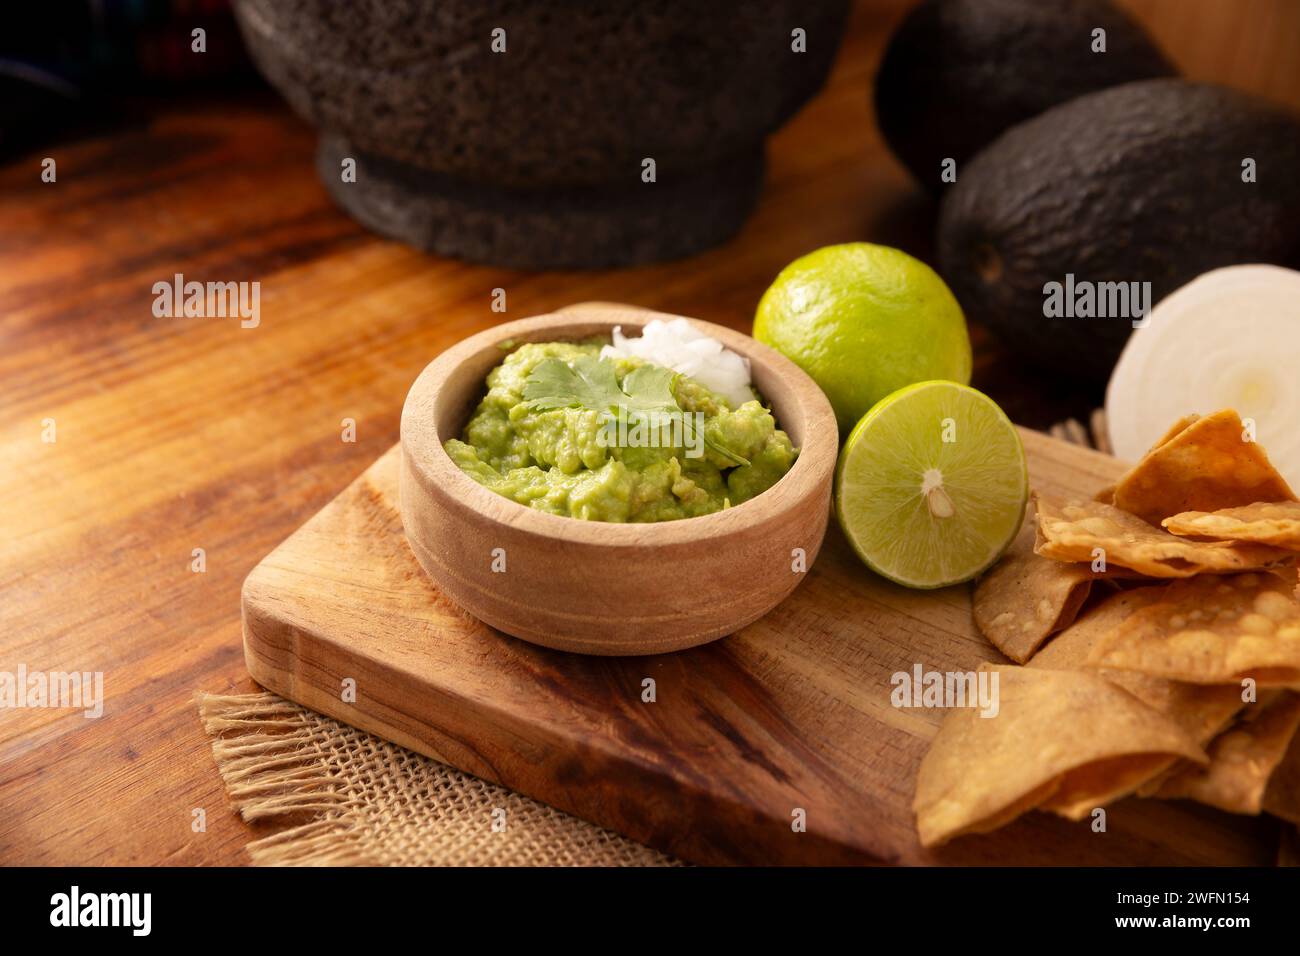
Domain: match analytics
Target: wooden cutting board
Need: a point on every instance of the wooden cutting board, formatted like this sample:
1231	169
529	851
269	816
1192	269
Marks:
789	714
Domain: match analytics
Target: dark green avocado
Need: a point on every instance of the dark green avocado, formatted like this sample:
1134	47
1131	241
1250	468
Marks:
958	73
1138	183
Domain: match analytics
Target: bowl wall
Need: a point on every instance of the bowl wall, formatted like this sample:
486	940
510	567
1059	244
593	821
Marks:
597	587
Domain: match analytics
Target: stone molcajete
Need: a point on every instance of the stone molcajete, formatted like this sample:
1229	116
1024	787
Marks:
516	133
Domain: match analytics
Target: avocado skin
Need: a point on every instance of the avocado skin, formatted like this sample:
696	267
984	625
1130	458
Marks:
1141	182
957	73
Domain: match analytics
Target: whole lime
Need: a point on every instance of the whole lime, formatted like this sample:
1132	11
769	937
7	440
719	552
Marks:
864	321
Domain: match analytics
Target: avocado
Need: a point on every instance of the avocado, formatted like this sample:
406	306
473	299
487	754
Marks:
1142	183
958	73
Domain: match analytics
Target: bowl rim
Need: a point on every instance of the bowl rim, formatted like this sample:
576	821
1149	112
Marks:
813	468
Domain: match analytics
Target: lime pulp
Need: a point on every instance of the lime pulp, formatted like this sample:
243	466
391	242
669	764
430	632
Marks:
932	484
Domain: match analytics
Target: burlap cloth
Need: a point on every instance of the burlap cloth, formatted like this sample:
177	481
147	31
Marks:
354	799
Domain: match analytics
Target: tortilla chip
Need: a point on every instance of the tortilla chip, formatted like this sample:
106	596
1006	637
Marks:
1151	786
1282	796
1106	496
1026	598
1205	466
1288	573
1055	732
1201	710
1101	784
1176	429
1212	630
1072	530
1242	759
1069	650
1126	577
1265	522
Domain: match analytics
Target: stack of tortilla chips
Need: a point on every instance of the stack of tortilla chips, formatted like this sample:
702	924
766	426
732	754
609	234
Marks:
1159	629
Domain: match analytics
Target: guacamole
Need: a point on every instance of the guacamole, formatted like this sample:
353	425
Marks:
562	461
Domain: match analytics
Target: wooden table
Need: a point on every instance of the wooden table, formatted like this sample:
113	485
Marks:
175	434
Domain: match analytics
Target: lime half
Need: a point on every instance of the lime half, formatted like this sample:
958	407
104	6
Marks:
932	484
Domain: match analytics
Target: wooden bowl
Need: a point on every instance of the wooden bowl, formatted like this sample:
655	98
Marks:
598	587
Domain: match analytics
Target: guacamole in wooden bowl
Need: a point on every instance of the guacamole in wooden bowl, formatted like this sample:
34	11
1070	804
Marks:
618	438
631	586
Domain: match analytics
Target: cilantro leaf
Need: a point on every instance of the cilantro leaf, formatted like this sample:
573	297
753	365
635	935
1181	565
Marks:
590	383
649	388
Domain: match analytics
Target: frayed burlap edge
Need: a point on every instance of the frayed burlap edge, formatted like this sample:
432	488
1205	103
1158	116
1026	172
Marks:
368	802
272	768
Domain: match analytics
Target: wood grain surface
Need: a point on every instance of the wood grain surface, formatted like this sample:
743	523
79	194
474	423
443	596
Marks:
790	713
1250	44
176	434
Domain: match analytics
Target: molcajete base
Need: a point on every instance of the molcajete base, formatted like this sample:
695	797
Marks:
681	213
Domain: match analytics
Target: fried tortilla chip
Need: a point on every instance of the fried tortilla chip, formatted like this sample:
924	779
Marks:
1176	429
1201	710
1212	630
1073	530
1265	522
1242	759
1026	598
1069	650
1055	732
1282	795
1204	466
1102	783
